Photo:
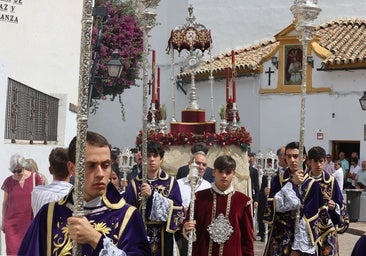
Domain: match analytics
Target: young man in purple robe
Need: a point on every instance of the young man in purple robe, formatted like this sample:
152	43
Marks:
164	210
337	220
109	227
292	210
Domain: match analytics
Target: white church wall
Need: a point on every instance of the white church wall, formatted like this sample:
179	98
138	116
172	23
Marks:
234	28
42	49
39	152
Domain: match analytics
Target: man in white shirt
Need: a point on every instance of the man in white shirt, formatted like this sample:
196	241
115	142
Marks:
185	190
338	173
329	165
60	185
361	177
351	174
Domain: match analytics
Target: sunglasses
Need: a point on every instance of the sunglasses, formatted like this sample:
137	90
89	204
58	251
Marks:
19	171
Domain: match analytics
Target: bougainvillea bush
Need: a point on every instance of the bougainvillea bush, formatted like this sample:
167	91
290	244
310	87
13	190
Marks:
121	31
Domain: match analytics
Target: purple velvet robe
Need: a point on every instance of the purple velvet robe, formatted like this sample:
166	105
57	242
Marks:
48	234
282	225
360	247
161	234
328	244
241	241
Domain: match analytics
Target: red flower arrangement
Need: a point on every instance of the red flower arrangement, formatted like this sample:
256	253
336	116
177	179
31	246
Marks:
229	114
158	114
240	138
121	31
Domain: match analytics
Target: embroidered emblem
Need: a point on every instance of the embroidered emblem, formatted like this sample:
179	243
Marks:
220	229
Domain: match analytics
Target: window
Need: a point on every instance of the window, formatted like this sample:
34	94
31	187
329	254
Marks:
30	114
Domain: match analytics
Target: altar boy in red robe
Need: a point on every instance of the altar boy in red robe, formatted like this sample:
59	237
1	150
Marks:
222	216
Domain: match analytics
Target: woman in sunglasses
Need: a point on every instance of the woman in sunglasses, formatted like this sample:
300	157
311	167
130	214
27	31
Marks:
17	210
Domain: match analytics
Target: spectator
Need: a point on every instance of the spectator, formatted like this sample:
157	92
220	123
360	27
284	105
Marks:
115	179
345	165
355	155
282	164
361	177
338	173
60	185
351	174
32	166
185	190
184	170
17	209
329	165
254	178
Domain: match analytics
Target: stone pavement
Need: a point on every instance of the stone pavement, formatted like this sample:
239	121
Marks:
346	240
357	228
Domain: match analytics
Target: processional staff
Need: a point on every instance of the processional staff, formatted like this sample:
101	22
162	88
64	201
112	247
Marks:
259	164
82	115
193	178
270	168
146	17
269	165
304	12
125	164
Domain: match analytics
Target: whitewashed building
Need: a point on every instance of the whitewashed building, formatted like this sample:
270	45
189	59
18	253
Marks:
40	52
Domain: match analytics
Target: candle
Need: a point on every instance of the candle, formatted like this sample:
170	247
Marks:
153	93
234	88
227	84
153	77
158	88
233	74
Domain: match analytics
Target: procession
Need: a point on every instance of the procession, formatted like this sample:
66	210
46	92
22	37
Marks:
166	134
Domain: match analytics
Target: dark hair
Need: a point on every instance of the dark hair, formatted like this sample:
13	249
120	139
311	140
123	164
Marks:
295	145
154	147
200	146
114	155
226	163
92	138
278	152
251	154
316	153
354	160
116	171
58	159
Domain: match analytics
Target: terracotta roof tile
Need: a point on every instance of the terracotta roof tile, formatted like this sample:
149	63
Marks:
247	59
345	40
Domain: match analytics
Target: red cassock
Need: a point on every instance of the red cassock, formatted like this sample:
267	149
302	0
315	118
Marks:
239	215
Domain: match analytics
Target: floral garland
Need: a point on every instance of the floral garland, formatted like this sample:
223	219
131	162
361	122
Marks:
240	137
121	31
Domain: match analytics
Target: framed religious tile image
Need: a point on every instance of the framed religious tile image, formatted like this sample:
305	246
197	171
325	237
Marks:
293	65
